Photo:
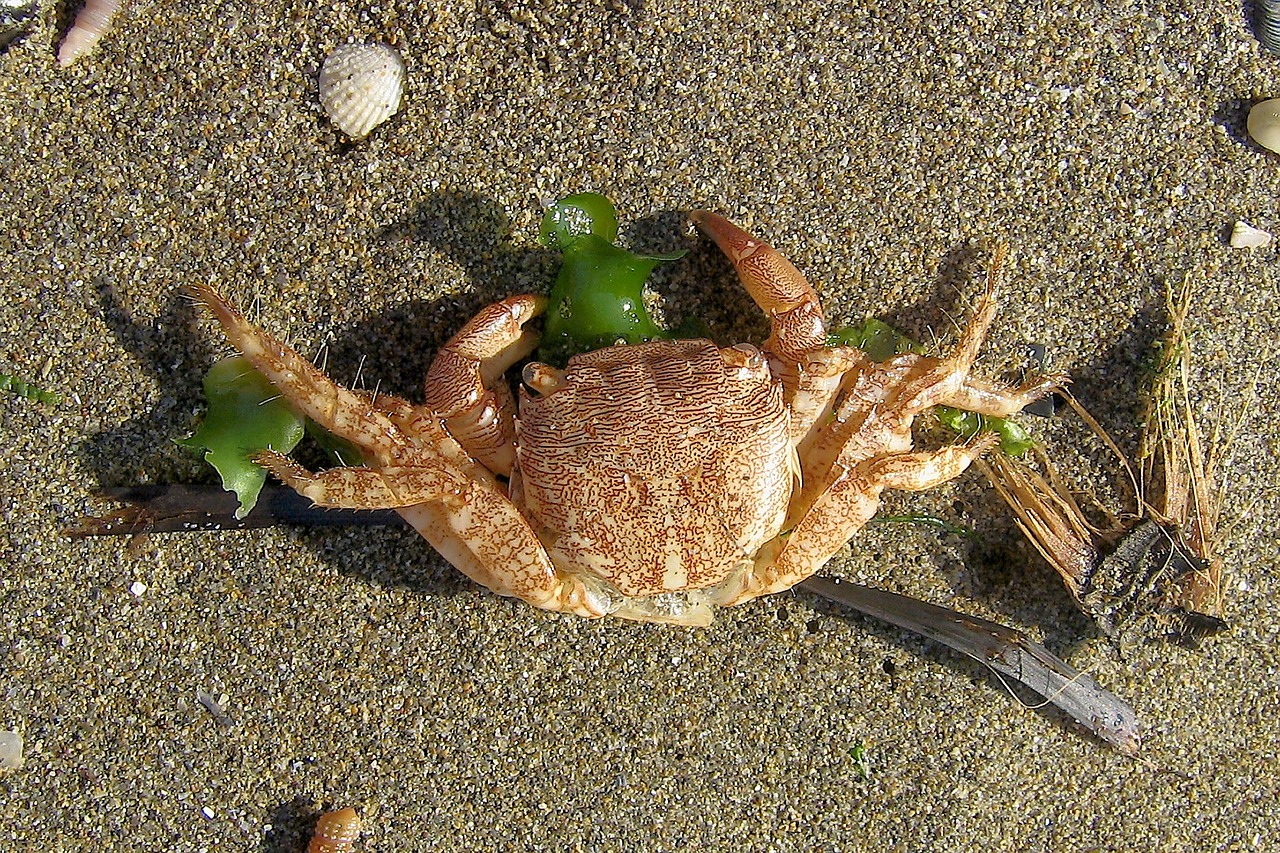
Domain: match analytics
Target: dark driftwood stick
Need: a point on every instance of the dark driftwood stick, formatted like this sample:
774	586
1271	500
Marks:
189	509
1008	652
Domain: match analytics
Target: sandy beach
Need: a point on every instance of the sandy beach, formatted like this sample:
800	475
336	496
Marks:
882	147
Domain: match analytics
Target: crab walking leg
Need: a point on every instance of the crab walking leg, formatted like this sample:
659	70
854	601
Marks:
342	412
1000	401
843	509
775	284
465	516
464	381
948	381
481	513
490	542
472	525
946	376
365	488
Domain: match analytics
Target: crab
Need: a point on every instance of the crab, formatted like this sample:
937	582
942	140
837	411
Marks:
651	481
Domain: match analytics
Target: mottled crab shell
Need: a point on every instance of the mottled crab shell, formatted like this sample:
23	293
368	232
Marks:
609	482
361	86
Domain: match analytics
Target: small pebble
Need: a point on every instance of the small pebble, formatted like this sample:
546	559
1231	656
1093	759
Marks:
137	588
10	751
215	706
1245	236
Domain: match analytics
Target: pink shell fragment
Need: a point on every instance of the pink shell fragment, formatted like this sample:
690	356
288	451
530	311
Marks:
91	24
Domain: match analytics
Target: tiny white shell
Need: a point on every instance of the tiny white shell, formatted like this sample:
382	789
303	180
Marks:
1245	236
1264	124
361	86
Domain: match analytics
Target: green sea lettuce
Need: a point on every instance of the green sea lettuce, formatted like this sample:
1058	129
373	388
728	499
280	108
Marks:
598	296
246	416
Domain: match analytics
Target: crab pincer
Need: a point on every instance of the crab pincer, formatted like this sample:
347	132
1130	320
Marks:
649	480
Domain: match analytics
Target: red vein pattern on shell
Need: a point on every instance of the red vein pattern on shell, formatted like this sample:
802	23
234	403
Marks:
659	467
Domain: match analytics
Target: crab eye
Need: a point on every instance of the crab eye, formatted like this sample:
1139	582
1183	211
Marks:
746	358
542	378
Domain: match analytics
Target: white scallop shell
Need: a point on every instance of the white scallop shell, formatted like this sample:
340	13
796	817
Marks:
1264	124
361	86
1245	236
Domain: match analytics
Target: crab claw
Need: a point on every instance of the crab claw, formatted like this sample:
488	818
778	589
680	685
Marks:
464	384
774	283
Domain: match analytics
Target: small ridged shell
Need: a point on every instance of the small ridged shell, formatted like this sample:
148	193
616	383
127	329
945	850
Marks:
1264	124
335	832
361	86
1268	21
1245	236
91	24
